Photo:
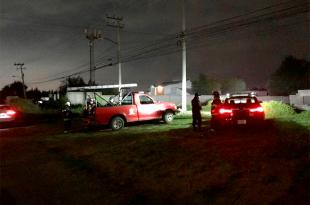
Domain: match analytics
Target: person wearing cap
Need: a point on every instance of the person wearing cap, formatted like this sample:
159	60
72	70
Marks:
196	108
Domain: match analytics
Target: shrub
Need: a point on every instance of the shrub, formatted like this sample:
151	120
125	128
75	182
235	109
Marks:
77	108
25	106
302	118
207	106
276	109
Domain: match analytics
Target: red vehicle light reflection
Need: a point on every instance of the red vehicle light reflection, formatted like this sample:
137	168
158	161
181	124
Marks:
257	109
225	111
10	112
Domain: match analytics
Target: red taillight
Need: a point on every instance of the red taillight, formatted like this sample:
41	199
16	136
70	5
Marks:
257	109
11	112
225	111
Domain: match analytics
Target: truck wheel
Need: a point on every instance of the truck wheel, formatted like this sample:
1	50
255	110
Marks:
168	117
117	123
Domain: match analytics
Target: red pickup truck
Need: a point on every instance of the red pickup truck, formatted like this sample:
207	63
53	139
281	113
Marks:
135	106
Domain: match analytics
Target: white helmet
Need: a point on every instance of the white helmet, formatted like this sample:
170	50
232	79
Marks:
67	104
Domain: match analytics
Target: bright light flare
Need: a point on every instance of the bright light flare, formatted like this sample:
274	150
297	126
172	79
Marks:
225	111
10	112
257	109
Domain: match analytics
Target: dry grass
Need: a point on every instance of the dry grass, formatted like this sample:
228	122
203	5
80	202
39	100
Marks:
156	164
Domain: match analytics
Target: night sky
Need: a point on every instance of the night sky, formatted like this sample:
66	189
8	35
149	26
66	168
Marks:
47	35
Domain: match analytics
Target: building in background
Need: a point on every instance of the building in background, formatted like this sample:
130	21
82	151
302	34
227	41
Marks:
301	100
170	88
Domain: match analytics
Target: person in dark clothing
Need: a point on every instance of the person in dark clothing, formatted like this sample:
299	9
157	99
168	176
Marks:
196	108
67	117
216	100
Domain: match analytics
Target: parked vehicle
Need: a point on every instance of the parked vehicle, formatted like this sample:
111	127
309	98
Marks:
133	107
239	109
8	114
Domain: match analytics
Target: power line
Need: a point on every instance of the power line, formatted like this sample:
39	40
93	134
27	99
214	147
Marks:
243	15
216	31
134	58
167	45
73	74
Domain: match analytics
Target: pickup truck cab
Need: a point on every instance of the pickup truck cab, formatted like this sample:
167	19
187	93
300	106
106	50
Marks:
134	107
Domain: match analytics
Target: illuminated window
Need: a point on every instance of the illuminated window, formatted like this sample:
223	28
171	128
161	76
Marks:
159	90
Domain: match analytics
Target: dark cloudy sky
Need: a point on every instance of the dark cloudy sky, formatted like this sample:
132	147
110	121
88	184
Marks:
47	35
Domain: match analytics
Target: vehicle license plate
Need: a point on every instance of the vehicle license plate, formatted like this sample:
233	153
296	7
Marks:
241	122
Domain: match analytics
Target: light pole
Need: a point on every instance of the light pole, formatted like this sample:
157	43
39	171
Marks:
183	58
117	24
92	35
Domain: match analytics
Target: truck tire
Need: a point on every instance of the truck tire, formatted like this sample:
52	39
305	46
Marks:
117	123
168	117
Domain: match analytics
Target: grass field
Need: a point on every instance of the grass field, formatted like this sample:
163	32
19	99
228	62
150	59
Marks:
155	163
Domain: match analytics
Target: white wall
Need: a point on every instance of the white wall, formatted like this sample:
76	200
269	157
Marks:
80	97
177	98
76	97
301	98
284	99
172	89
304	92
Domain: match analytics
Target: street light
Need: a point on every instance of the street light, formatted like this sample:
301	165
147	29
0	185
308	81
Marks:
92	35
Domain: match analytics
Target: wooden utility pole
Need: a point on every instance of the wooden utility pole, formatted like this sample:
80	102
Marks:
19	66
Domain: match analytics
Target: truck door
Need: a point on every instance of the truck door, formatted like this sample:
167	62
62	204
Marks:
147	109
129	109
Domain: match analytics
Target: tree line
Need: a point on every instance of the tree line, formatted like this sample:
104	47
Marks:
293	74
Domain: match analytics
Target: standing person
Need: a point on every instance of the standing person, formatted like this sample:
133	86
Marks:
67	117
216	100
196	108
90	104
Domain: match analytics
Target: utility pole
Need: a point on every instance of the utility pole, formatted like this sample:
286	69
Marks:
20	66
92	35
183	40
116	23
67	82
